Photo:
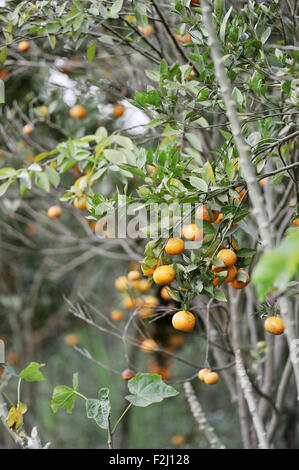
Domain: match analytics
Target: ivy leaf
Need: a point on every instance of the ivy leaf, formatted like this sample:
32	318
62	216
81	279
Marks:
32	372
63	397
146	389
99	409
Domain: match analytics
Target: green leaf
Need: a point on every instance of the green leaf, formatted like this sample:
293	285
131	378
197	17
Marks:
99	409
4	187
237	96
75	381
116	7
194	141
146	389
223	24
42	181
32	372
63	397
91	51
7	173
3	54
53	176
198	183
266	35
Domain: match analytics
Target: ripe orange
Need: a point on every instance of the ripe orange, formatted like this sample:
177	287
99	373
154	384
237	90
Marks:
133	275
148	345
203	213
23	46
296	222
219	218
178	440
240	284
192	232
183	38
118	110
263	181
231	274
141	285
71	339
176	340
164	293
274	325
147	31
183	320
151	168
147	309
78	111
121	283
127	374
28	129
242	195
80	202
149	271
174	246
192	74
54	211
43	111
202	373
163	275
163	370
227	256
130	302
116	315
211	378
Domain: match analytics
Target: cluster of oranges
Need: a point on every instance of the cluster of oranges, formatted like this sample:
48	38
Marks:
56	211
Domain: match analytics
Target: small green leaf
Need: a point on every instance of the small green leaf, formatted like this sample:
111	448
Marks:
63	397
91	51
198	183
146	389
32	372
99	409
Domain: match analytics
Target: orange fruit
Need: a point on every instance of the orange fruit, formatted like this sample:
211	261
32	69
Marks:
43	111
148	271
164	293
228	257
78	111
203	213
147	309
178	440
192	232
192	74
296	222
116	315
127	374
71	339
30	228
176	340
147	31
151	168
54	211
28	129
174	246
141	285
121	283
219	218
148	345
164	371
183	320
80	202
3	74
263	181
23	46
240	284
194	3
133	275
242	195
202	373
211	378
274	325
130	302
163	275
183	38
118	110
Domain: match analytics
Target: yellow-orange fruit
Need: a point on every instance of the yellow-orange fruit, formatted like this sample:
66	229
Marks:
263	181
121	283
176	340
183	38
78	111
174	246
127	374
219	218
178	440
148	345
54	211
192	232
80	202
151	300
242	195
43	111
147	31
151	168
149	271
202	373
71	339
231	274
116	315
203	213
240	284
228	257
149	304
211	378
141	285
183	320
28	129
118	110
164	275
23	46
192	74
296	222
164	293
163	370
130	302
274	325
133	275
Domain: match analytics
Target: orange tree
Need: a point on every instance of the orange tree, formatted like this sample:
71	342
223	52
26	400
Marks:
216	164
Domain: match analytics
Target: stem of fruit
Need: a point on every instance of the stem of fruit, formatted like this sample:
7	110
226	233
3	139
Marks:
121	417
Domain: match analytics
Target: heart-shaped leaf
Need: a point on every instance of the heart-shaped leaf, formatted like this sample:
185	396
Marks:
147	389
